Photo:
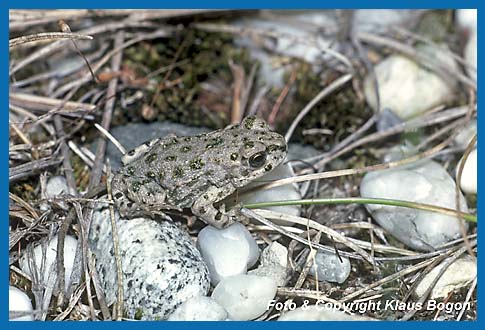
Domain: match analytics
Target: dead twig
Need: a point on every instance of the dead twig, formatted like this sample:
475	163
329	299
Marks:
46	36
325	92
25	170
96	173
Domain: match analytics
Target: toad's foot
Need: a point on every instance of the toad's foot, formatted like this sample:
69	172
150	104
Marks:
218	218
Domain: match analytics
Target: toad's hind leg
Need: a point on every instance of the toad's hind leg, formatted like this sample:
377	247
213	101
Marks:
203	207
139	200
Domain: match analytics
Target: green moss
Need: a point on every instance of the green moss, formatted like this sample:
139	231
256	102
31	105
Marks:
203	58
342	112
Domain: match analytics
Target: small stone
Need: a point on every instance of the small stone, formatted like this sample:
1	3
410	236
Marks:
227	252
18	301
380	20
459	274
399	152
70	246
469	178
331	268
273	263
56	186
199	308
425	182
320	313
387	119
162	268
245	297
466	19
408	89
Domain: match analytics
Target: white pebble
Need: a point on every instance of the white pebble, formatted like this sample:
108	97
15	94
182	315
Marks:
459	274
245	297
425	182
469	175
408	89
330	268
466	19
227	252
199	308
380	20
18	301
70	245
320	313
273	263
56	186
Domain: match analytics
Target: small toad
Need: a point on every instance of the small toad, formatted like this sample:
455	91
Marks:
196	172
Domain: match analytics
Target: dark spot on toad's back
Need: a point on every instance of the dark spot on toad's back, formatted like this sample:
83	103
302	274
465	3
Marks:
178	171
249	122
272	148
171	158
135	187
150	158
196	164
214	142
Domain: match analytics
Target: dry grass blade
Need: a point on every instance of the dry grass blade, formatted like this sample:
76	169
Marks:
36	102
96	173
46	36
254	215
325	92
25	170
318	227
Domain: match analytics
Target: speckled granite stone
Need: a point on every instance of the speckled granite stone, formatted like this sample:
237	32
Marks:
161	266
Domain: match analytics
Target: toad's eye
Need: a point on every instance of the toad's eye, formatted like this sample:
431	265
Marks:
257	160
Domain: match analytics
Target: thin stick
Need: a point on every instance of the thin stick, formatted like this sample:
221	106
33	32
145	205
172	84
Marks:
117	254
96	173
46	36
326	91
66	159
110	137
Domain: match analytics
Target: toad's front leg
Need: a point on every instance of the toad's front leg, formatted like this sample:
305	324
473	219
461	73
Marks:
203	207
